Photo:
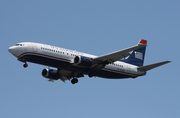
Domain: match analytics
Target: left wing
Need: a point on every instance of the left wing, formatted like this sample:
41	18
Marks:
118	55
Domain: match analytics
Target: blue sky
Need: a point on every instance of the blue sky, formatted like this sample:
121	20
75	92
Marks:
96	27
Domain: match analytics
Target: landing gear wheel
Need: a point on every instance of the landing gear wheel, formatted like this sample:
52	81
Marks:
90	75
25	65
74	81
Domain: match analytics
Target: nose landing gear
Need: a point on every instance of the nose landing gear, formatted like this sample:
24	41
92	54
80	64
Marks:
25	65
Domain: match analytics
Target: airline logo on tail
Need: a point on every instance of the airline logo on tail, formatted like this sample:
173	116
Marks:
139	55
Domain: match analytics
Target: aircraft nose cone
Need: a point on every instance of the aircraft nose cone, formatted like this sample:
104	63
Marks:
12	50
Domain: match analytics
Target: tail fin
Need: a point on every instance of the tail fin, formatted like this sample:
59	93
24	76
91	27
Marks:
137	56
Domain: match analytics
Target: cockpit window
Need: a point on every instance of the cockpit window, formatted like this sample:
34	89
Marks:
18	44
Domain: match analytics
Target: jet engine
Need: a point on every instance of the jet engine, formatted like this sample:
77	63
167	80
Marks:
50	73
83	61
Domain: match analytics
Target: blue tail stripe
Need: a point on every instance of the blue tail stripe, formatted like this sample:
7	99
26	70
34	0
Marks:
136	57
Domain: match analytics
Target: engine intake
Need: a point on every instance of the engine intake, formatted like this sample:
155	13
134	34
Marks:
83	61
50	73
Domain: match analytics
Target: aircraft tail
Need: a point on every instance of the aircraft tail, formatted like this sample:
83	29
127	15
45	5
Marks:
137	56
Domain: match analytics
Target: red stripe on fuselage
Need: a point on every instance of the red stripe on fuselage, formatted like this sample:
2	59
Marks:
43	55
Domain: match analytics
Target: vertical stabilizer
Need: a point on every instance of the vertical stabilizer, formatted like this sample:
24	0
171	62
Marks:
137	56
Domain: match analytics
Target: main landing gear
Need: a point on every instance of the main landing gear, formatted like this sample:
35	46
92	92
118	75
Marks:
74	81
25	65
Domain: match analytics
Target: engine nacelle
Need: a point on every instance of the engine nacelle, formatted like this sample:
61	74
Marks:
83	61
50	73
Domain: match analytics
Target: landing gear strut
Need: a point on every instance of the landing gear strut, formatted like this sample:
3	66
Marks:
74	81
25	65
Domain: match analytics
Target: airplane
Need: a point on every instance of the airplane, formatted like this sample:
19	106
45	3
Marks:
71	64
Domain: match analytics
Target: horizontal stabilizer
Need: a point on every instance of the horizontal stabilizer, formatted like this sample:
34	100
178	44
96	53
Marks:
152	66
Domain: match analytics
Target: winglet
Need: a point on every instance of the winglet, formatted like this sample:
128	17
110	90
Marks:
142	42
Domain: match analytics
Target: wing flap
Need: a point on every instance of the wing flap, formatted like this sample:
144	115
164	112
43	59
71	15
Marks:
152	66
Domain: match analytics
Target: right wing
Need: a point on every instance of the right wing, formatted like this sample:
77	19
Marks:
101	61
